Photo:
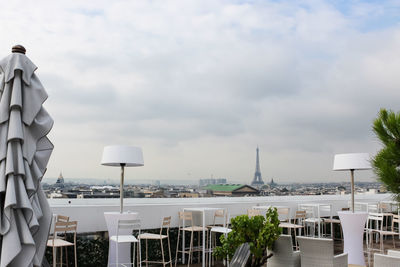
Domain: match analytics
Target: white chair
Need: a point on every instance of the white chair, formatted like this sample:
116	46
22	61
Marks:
325	213
219	227
381	260
318	252
283	254
299	219
124	235
186	224
386	210
297	225
284	214
394	253
375	227
61	218
165	224
63	227
373	207
312	219
253	212
220	218
334	221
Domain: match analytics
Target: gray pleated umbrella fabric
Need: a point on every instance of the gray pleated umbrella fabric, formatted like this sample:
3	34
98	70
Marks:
25	215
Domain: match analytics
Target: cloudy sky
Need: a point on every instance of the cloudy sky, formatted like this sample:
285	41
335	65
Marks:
199	84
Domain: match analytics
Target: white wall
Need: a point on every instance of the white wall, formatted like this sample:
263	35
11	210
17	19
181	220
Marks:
90	212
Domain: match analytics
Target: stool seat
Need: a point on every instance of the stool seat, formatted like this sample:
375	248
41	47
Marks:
313	220
193	228
58	243
220	229
124	239
151	236
290	225
165	224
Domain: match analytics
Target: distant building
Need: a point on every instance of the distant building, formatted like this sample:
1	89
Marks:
205	182
188	195
272	183
257	181
55	195
382	188
60	180
232	190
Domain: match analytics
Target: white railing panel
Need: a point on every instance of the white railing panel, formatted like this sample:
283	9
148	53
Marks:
90	212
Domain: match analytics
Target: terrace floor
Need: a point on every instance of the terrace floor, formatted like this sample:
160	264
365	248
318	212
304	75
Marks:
388	244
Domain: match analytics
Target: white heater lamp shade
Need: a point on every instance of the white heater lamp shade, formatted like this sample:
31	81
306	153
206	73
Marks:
351	161
128	156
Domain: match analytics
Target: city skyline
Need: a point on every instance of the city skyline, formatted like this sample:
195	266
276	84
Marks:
116	182
198	85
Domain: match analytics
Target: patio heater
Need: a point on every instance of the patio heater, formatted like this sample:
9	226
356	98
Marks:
351	162
122	156
353	222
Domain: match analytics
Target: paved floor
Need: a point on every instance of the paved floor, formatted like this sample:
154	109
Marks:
388	244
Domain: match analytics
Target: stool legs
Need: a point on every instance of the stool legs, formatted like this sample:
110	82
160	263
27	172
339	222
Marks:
163	262
190	249
177	247
61	256
147	256
66	255
162	252
169	249
54	257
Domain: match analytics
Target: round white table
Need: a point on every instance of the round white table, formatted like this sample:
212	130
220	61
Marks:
112	227
353	224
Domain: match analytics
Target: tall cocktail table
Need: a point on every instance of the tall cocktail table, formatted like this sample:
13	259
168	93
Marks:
124	254
353	224
203	211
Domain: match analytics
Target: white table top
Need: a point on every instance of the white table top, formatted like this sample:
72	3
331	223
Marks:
351	213
267	207
119	213
390	202
202	209
314	204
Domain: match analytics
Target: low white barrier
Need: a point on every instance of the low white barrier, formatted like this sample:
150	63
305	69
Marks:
90	212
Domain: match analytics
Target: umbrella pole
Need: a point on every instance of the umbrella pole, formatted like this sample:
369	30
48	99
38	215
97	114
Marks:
121	189
352	190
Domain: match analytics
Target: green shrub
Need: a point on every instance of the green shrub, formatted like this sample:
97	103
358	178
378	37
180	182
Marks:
259	231
92	251
92	248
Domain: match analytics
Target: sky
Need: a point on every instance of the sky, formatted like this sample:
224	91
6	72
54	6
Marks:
198	85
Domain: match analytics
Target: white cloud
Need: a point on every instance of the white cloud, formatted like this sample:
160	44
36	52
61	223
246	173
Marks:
199	84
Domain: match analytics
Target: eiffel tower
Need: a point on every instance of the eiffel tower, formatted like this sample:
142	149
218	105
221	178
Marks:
257	181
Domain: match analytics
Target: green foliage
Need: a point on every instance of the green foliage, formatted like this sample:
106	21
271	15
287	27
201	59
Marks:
91	252
92	248
386	163
259	231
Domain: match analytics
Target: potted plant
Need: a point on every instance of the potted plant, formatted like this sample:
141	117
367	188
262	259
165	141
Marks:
258	231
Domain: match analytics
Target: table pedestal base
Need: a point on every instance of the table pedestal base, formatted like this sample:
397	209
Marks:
353	231
112	226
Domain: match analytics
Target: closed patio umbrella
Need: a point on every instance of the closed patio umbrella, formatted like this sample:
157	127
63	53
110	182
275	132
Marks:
25	215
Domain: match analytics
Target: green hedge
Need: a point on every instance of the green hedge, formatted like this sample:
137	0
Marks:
92	249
